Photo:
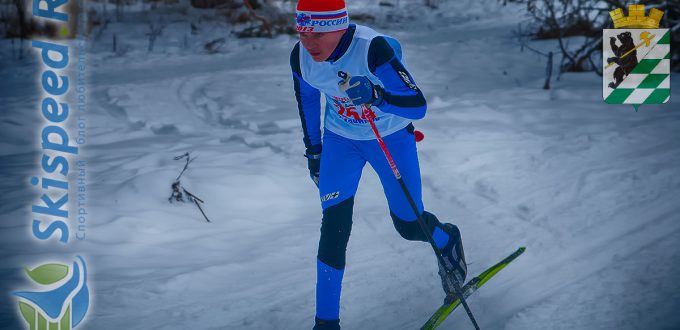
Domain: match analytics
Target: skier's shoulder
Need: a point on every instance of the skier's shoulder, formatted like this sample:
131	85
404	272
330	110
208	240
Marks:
371	35
365	33
381	50
295	58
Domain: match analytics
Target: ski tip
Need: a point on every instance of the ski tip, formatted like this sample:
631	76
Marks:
522	249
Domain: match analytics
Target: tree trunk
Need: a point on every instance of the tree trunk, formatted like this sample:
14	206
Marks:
548	73
23	29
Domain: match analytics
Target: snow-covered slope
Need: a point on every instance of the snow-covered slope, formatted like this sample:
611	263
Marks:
591	190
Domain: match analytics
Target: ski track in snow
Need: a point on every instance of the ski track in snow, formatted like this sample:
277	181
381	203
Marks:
591	190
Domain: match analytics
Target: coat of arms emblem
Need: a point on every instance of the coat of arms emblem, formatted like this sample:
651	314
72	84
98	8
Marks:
636	58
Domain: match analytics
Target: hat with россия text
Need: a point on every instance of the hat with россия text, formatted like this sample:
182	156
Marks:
321	16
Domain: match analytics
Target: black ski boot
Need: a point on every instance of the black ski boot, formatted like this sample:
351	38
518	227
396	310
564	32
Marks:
455	268
320	324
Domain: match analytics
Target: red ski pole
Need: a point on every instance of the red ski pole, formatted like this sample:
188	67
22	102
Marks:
370	116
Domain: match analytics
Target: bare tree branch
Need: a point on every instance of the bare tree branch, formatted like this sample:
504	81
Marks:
266	26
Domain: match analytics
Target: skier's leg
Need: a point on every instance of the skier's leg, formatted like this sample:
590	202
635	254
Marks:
402	147
447	238
341	166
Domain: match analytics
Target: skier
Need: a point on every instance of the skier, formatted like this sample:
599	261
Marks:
330	44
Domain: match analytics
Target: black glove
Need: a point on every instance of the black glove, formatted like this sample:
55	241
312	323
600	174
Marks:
313	155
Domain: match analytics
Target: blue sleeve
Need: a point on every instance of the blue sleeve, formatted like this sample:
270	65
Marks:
401	95
309	104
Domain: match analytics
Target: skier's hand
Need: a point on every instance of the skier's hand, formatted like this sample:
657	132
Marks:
362	91
313	156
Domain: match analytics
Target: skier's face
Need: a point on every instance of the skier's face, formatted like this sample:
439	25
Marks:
320	44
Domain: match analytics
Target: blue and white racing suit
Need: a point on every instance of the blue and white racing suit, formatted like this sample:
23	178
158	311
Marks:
348	143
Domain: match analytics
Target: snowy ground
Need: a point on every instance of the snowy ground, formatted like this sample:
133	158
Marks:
591	190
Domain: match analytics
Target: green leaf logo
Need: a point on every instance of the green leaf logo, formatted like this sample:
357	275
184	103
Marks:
63	304
48	273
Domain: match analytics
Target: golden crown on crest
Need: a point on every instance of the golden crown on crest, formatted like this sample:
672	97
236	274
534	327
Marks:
636	18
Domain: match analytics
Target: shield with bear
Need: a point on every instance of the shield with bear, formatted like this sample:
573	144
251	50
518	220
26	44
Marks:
636	58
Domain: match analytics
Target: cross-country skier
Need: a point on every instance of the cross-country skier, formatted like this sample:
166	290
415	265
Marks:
328	45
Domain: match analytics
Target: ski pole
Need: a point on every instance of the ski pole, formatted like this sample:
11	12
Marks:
368	113
196	200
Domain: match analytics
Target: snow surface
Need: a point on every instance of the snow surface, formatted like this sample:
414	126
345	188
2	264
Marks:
591	190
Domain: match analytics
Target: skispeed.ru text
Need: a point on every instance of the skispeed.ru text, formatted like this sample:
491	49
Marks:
50	212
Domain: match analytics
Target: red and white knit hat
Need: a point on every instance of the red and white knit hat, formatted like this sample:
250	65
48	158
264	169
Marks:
321	16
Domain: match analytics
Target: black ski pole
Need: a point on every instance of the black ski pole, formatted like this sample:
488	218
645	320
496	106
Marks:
196	200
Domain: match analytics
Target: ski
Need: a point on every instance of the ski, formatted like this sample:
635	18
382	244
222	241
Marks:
451	301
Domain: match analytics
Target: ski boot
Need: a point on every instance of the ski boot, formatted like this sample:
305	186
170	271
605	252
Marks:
454	268
320	324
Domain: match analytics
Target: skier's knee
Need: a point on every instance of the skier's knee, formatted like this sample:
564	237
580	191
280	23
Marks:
411	230
335	229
